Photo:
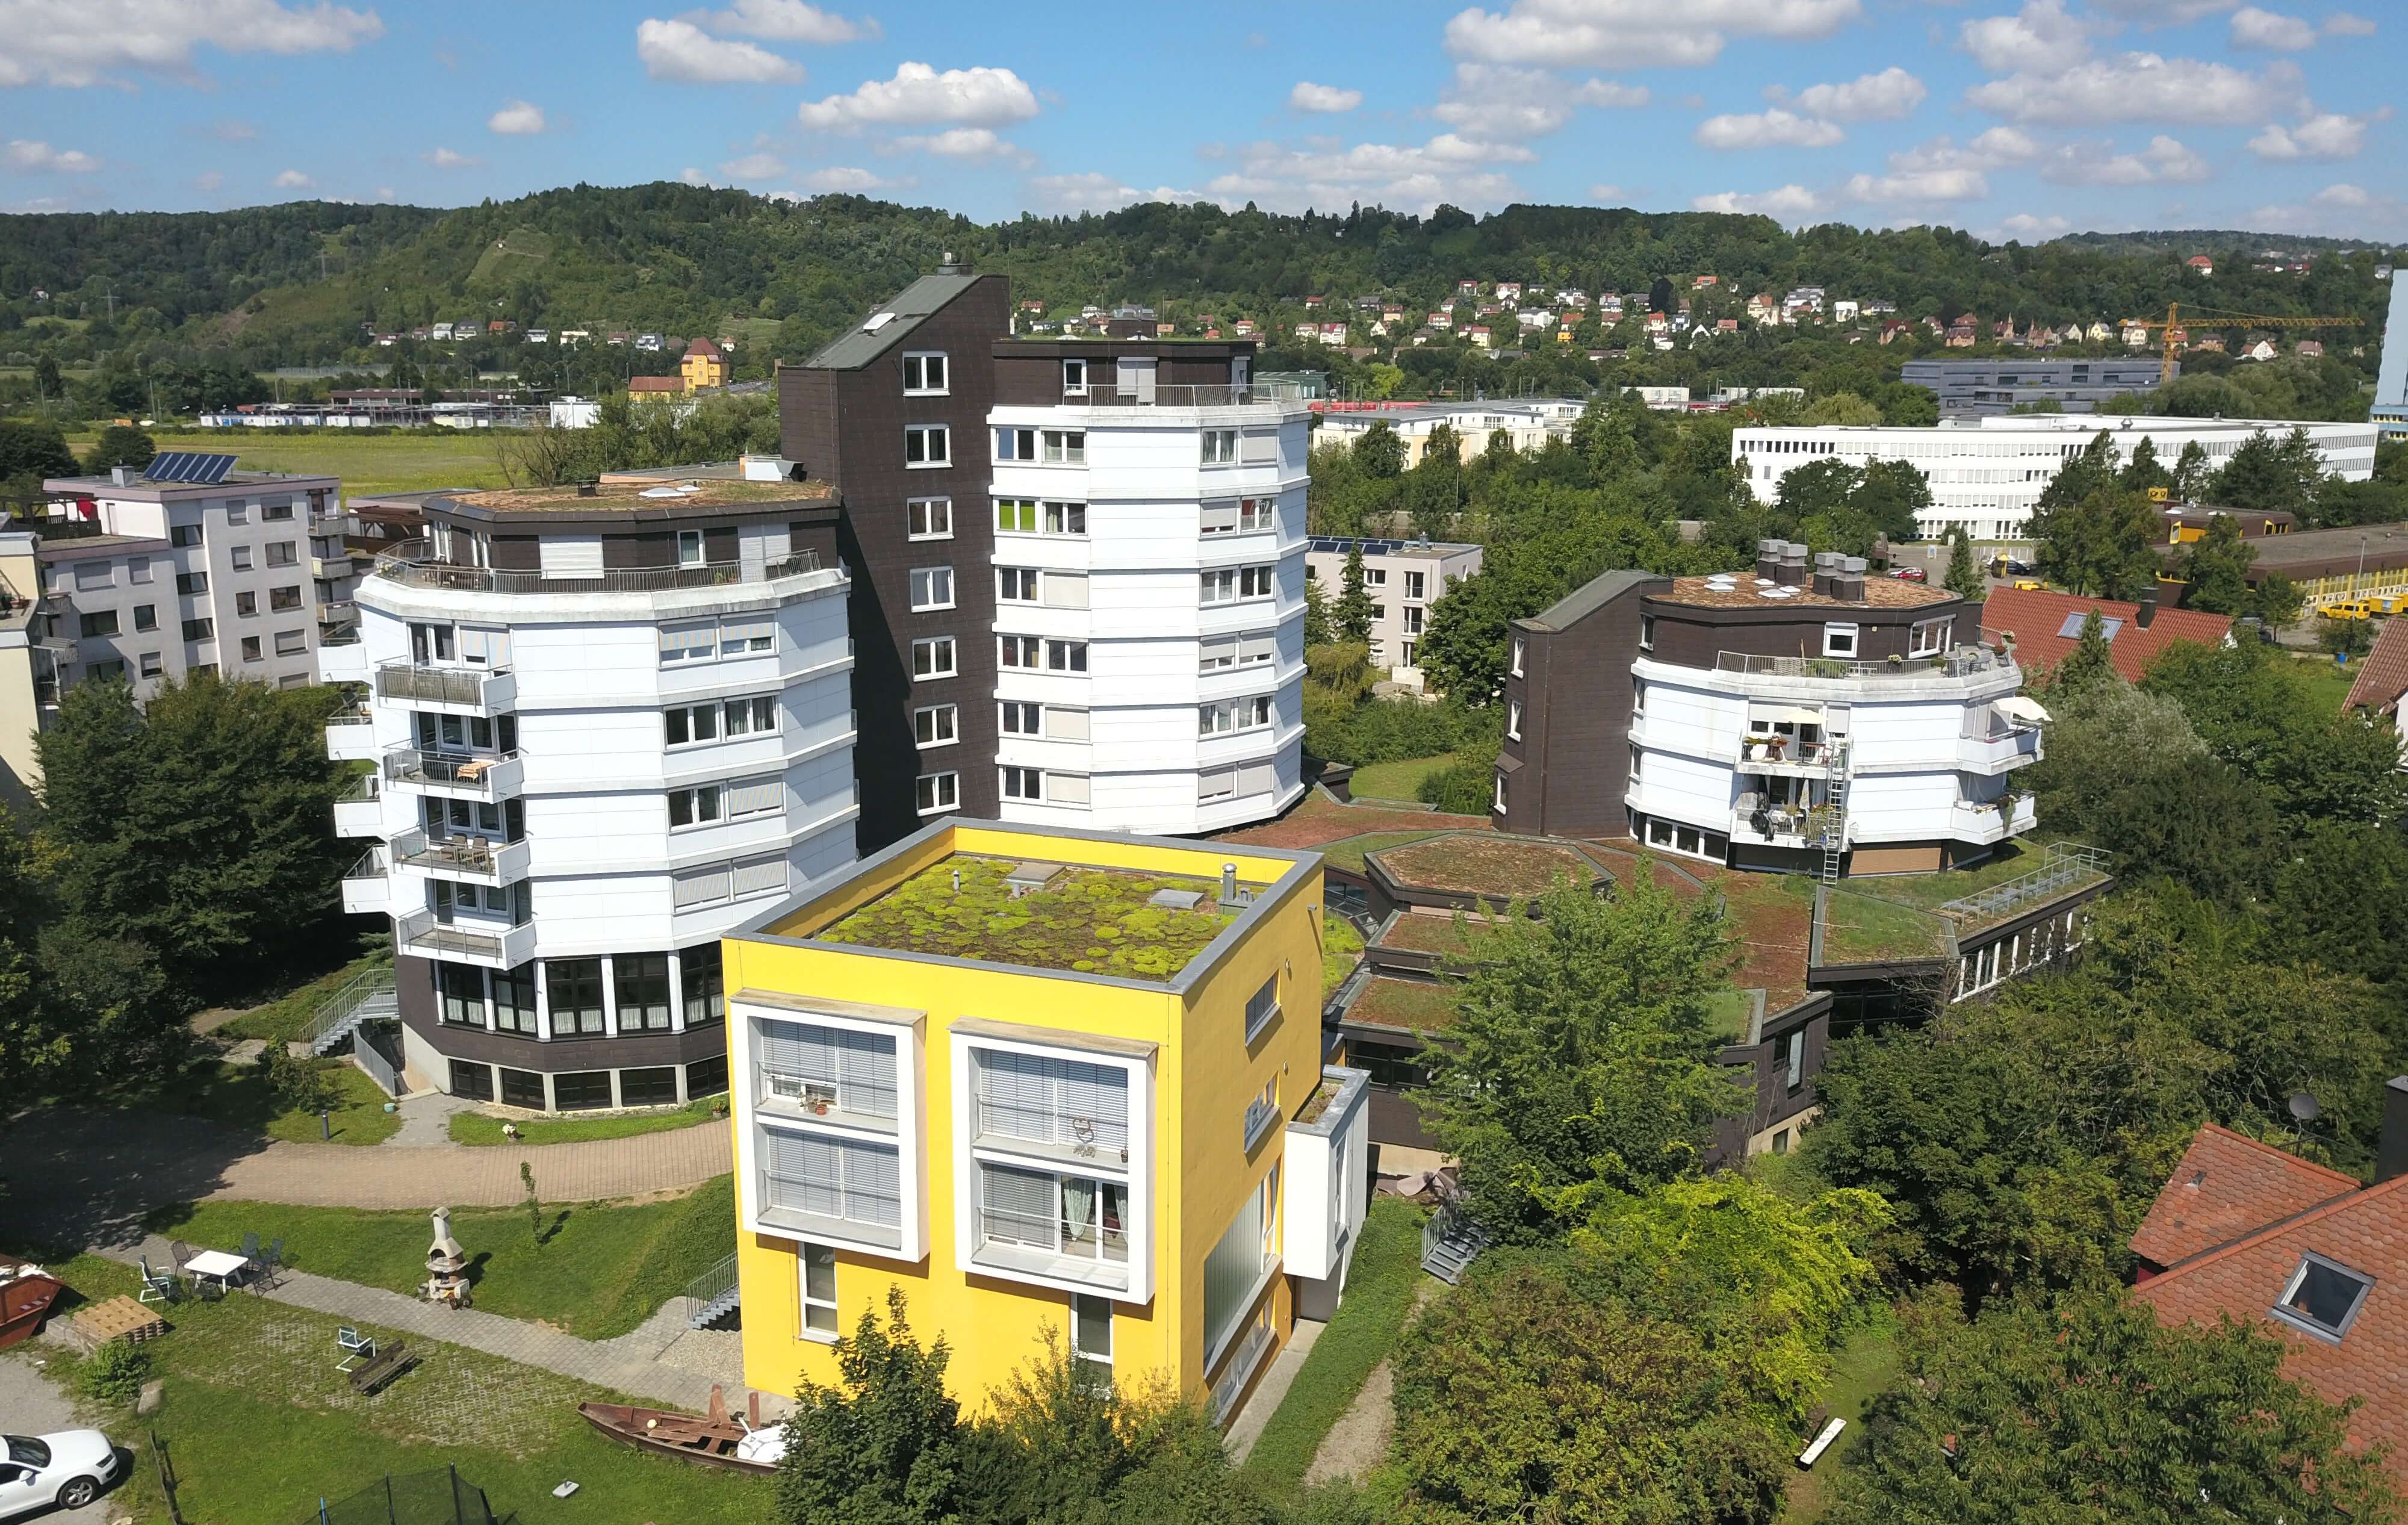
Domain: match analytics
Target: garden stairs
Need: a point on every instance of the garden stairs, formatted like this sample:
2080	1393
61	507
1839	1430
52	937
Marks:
367	997
1450	1243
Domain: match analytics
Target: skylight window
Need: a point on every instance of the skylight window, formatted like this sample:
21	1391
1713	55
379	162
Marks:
2071	628
878	321
2323	1297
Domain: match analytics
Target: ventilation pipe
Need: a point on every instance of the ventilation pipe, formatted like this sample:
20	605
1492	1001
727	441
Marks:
2148	611
1827	573
1792	564
1852	579
1229	884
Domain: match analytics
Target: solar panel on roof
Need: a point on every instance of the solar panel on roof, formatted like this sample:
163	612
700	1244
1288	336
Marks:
188	466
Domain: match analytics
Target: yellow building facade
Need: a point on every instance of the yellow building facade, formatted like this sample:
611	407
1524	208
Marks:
1044	1082
705	364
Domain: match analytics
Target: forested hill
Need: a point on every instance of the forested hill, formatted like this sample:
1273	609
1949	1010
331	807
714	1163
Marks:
280	283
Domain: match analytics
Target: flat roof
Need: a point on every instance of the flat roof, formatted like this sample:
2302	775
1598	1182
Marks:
83	547
104	486
610	497
2386	545
1880	593
1342	543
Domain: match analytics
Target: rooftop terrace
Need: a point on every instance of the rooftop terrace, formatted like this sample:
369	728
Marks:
1044	915
1744	590
683	495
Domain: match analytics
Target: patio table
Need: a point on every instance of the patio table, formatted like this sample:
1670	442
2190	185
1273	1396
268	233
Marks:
220	1266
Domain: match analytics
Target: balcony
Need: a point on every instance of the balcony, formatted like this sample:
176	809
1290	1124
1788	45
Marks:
360	812
1784	756
469	861
410	565
1785	824
486	944
1960	662
487	776
1996	752
350	734
1994	821
367	891
479	691
331	567
1183	396
342	661
1328	1143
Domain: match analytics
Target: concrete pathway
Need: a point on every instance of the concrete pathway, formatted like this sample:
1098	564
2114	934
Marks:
74	1177
427	1120
32	1403
1268	1393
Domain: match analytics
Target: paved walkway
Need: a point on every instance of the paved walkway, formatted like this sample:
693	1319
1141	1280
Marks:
78	1177
427	1120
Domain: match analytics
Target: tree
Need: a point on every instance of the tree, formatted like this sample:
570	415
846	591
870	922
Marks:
1318	631
2144	471
2217	568
1840	410
1964	579
2091	662
1580	1059
2258	716
1353	616
119	445
2096	536
2089	1408
2345	638
2192	473
1517	1398
883	1445
1379	452
2265	473
1434	490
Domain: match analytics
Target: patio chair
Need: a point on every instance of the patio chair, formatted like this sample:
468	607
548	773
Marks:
179	1256
208	1291
251	1247
157	1286
358	1348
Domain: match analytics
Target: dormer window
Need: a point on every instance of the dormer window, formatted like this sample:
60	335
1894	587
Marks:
2323	1298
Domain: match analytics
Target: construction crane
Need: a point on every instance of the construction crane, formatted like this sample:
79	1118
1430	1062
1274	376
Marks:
2172	325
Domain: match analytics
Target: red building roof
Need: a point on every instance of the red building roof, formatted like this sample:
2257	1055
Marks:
2362	1232
706	349
2383	677
2048	625
2229	1186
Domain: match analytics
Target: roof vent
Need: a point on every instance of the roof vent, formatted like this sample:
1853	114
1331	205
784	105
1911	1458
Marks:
1029	878
950	263
1767	559
587	489
1176	899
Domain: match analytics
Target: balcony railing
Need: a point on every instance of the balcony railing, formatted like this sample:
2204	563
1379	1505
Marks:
1961	662
485	775
507	947
1180	394
480	858
470	687
410	565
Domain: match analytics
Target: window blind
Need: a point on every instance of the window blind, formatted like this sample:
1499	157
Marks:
1066	590
1066	788
1060	1102
706	885
570	555
850	1179
860	1065
688	642
1259	647
755	796
1220	518
760	876
1065	725
1016	1206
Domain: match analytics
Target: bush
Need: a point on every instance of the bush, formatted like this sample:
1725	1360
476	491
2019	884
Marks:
1463	787
115	1372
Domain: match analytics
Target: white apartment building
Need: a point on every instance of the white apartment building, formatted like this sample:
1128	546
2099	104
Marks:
1149	565
194	568
1529	422
1987	474
607	726
1403	579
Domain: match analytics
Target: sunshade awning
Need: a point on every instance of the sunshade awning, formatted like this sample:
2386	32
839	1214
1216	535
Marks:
1774	715
2017	707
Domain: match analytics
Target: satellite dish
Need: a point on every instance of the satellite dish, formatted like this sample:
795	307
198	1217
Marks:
2303	1106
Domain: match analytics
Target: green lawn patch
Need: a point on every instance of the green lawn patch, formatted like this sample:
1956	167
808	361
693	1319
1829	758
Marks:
474	1128
405	462
1727	1013
1869	930
1348	853
1863	1367
2326	679
1341	949
1407	1005
1482	863
1396	780
238	1095
262	1427
1089	920
1379	1297
601	1270
289	1015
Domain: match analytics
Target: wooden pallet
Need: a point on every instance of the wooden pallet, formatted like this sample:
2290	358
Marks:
120	1318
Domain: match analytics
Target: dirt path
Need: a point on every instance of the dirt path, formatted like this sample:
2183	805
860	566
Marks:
1358	1442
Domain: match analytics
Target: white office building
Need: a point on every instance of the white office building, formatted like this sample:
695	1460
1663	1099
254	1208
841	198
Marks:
1149	558
607	730
1987	474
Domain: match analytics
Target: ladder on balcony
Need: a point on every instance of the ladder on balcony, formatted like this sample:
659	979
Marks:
366	997
1835	807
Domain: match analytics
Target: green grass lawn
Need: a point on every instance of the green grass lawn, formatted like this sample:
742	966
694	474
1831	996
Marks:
1348	852
1379	1297
602	1270
1866	929
1396	780
1408	1005
474	1128
289	1015
367	463
262	1427
2326	679
1727	1014
238	1097
1341	949
1863	1367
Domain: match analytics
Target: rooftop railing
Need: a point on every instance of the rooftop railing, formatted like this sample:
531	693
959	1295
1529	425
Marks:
2067	866
409	565
1181	394
1961	662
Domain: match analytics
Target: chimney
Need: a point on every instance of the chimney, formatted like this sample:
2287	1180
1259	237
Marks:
120	476
1852	579
1827	573
2148	606
1792	564
1229	884
1768	560
2391	1151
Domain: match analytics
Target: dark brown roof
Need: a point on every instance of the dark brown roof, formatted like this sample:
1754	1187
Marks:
2229	1186
2035	618
2383	677
1880	593
655	383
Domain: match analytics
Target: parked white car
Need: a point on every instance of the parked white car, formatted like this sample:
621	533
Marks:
67	1470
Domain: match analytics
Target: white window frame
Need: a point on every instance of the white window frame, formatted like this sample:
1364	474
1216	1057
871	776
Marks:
699	797
921	361
805	1263
932	589
1930	638
936	793
936	647
937	725
1062	518
1842	640
1217	447
1519	648
1015	444
1072	656
1498	805
1513	720
928	519
1020	654
1064	447
938	435
1005	714
908	1131
690	549
1017	586
1093	1358
1262	1007
1074	377
1023	785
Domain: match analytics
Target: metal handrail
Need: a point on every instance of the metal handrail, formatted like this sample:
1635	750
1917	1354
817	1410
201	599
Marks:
1177	395
411	764
420	929
475	854
713	1283
409	565
370	865
1958	662
2066	865
358	989
406	680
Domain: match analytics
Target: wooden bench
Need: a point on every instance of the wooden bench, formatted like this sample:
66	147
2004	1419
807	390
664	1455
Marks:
381	1368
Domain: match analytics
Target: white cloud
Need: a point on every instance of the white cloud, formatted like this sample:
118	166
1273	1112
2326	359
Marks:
1093	193
2319	135
1940	171
753	166
445	159
967	143
1605	193
918	96
2344	194
2039	38
1308	97
230	130
1631	33
2033	229
78	42
2164	161
693	176
519	119
2255	28
1329	173
843	178
1790	203
1494	102
681	50
1775	128
292	180
2164	12
1885	96
2142	87
2341	24
33	157
782	21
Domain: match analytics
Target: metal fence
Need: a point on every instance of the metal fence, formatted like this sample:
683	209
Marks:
418	1498
2067	866
409	565
367	1050
1958	662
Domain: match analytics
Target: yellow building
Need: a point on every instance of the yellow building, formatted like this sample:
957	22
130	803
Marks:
705	364
1043	1079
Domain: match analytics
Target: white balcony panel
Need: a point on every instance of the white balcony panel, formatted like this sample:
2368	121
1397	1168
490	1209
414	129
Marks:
343	663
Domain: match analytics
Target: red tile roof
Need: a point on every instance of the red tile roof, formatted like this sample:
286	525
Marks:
2229	1186
2366	1230
706	349
2036	617
2383	677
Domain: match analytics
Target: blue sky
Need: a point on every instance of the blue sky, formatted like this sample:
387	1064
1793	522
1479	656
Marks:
2012	119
